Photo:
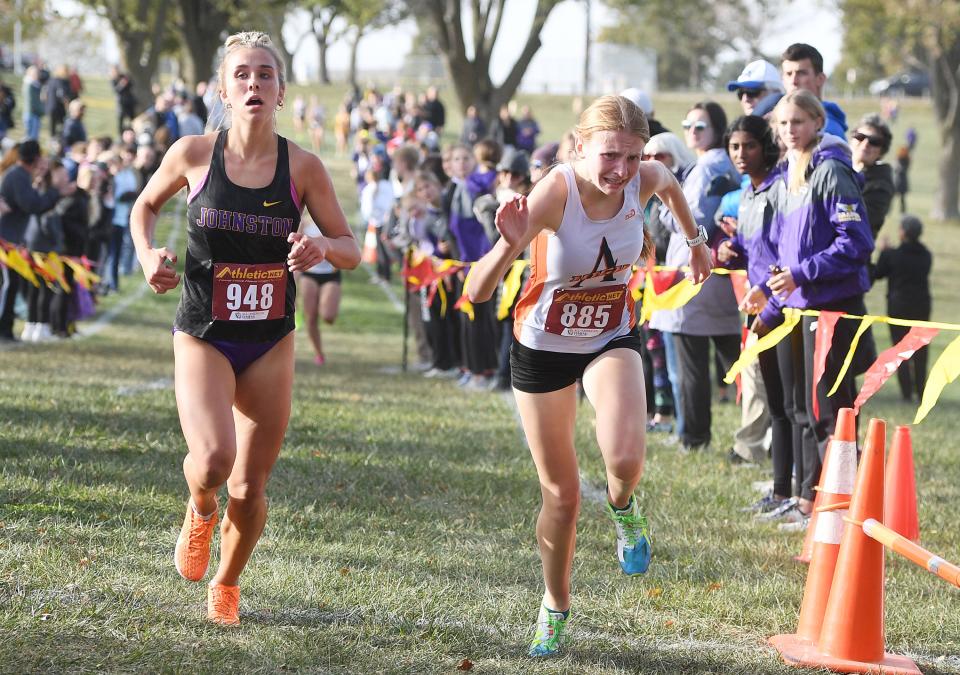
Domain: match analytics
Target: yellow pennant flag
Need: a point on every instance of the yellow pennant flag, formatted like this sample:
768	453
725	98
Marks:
511	286
81	274
676	296
944	371
864	325
18	264
766	342
465	306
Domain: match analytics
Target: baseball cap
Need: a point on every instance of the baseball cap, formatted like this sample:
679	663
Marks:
514	161
640	98
757	75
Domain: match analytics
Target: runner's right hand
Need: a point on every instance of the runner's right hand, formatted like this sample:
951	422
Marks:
158	269
511	219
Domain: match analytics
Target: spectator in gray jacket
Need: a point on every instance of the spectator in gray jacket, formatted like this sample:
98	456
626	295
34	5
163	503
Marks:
712	314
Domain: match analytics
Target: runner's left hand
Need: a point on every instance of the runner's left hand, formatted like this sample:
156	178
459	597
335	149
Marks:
305	251
700	264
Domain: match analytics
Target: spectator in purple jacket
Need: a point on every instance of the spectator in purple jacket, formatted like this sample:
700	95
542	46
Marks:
755	153
824	245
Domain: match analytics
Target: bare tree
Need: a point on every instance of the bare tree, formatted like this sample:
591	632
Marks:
470	72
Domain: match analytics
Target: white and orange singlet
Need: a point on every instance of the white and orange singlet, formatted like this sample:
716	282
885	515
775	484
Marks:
577	298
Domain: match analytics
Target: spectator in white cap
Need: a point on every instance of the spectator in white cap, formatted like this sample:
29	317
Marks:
642	100
758	80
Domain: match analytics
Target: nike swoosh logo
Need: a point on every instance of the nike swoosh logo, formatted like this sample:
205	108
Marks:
267	204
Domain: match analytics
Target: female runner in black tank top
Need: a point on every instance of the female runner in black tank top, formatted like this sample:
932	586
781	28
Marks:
233	345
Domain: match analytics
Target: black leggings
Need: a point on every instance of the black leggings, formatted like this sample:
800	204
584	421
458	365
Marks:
781	446
795	358
693	360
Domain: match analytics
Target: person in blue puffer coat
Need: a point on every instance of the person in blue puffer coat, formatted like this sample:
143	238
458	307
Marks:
824	245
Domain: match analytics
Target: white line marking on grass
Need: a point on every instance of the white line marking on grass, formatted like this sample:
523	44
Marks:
385	287
107	317
155	385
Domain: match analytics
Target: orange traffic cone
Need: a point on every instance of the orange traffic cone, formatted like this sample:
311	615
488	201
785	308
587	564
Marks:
851	640
806	551
369	254
836	484
900	496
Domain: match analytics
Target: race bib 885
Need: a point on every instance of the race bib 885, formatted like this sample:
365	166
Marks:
588	312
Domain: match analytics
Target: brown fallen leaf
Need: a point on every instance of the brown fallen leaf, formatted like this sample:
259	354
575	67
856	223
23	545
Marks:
466	664
715	586
655	592
344	571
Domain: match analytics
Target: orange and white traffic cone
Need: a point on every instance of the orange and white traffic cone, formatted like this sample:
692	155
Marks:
900	496
836	484
851	639
369	253
806	551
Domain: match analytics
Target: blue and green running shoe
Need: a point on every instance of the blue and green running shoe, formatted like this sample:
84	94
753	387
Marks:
548	637
633	538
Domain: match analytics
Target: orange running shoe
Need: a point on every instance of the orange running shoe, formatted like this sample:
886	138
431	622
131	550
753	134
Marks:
192	553
223	604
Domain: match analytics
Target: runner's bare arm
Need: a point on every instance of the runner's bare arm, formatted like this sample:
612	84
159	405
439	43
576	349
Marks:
518	221
338	245
168	180
660	180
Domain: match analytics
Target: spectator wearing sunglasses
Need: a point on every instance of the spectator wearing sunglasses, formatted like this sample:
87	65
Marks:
758	80
711	316
869	143
801	67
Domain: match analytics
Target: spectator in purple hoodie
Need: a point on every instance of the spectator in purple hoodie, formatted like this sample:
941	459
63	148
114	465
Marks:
824	245
479	334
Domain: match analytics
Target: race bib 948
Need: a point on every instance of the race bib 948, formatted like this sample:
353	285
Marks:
579	312
249	292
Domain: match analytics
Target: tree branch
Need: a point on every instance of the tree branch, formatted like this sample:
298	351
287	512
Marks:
529	49
491	40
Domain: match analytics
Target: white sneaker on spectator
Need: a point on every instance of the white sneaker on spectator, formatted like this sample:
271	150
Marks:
478	383
29	330
795	526
765	504
43	333
792	504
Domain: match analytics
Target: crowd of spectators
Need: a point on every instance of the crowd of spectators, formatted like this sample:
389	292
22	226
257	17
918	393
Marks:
73	195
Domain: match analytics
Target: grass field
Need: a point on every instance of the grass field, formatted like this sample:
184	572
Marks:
400	536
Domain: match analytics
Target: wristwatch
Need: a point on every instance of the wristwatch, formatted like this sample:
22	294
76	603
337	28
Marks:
701	238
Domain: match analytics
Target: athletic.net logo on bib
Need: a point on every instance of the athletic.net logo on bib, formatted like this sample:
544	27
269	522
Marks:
586	312
249	292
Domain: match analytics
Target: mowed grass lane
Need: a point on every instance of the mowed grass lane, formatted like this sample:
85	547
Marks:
400	536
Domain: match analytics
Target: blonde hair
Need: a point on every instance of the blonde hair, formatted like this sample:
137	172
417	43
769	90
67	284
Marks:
612	113
810	104
248	40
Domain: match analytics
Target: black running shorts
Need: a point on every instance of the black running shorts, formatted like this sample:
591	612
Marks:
536	371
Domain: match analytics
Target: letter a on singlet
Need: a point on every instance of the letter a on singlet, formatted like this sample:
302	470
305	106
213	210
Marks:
604	258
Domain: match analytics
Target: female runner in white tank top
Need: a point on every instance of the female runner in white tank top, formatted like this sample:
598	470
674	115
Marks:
575	320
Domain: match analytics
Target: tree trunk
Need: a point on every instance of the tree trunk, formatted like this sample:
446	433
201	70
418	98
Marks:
202	30
354	48
273	22
471	78
322	61
140	41
946	103
946	203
